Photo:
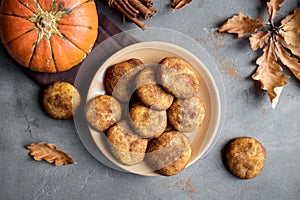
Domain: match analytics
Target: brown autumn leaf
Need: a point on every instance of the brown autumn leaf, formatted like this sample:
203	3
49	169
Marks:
291	37
273	7
269	73
178	4
287	60
259	39
290	29
48	152
291	21
241	25
281	47
293	49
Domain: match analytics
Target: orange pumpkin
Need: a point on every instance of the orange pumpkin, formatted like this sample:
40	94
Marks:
48	35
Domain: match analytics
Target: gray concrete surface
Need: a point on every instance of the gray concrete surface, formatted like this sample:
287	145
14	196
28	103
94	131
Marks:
248	113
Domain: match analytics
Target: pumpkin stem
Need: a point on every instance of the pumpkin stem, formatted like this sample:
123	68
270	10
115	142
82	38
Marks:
46	21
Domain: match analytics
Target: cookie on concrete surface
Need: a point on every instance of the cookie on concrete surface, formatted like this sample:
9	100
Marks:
125	145
118	78
102	112
178	78
60	100
148	123
150	93
245	157
169	153
186	114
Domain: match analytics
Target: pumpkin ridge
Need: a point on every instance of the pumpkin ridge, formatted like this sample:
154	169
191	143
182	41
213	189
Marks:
24	52
26	6
88	27
6	14
59	53
54	60
64	37
46	67
75	6
21	35
35	46
34	50
15	8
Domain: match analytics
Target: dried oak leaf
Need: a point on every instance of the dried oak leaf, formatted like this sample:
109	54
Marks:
241	25
178	4
287	59
293	49
259	39
273	7
291	21
48	152
281	46
269	71
290	28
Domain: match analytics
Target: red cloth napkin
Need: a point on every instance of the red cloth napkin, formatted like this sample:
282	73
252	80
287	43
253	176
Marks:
106	29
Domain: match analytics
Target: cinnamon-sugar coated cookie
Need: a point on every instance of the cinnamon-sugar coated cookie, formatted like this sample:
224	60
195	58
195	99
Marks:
186	114
119	78
169	153
102	112
178	78
245	157
149	92
125	145
60	100
148	123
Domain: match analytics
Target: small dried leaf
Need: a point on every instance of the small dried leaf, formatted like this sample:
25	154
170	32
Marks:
291	37
292	21
293	49
269	73
48	152
273	7
259	39
241	25
287	60
178	4
290	29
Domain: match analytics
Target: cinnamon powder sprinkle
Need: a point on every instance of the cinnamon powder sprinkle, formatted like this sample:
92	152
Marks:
225	67
185	186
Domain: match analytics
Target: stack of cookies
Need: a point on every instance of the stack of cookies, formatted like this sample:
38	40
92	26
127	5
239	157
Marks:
148	112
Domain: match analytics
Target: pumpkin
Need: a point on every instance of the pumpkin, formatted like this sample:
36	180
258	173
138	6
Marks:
48	35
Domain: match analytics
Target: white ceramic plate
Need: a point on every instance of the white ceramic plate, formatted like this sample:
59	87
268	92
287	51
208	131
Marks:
153	52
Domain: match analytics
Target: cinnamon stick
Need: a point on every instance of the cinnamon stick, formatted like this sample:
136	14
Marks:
153	12
133	19
132	9
145	12
126	7
147	3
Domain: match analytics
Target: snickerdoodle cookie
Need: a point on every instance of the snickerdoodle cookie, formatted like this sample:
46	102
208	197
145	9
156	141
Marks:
148	123
178	78
245	157
125	145
169	153
149	92
118	78
102	112
60	100
186	114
